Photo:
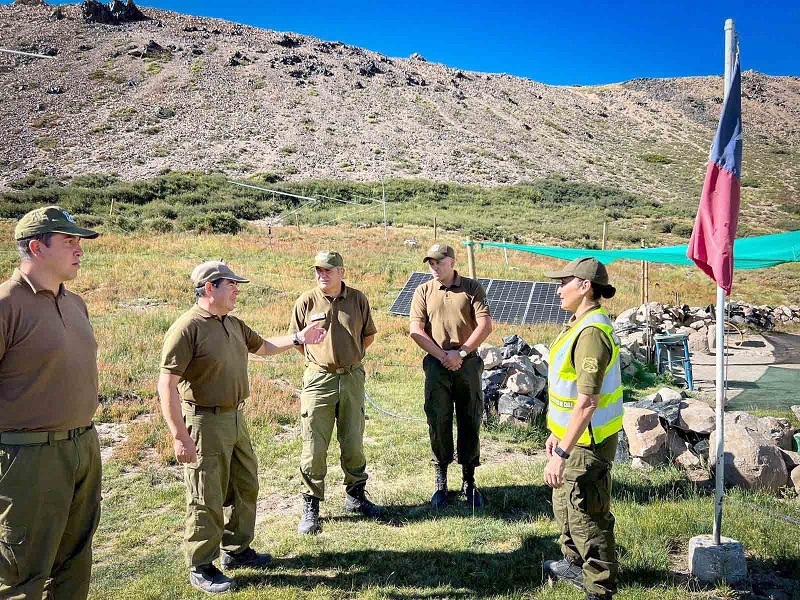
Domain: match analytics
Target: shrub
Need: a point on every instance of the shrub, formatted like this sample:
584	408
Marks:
683	229
158	225
223	222
656	159
35	178
93	180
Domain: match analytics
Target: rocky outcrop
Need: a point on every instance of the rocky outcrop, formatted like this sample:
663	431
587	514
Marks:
115	13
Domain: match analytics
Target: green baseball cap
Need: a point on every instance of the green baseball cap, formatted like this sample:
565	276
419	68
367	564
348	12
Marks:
438	252
50	219
211	270
588	268
328	260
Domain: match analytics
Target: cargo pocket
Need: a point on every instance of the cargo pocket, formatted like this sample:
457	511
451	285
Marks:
11	540
200	479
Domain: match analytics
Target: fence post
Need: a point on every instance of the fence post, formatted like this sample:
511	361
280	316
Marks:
471	258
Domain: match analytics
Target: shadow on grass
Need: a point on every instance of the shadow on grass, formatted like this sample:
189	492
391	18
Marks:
415	574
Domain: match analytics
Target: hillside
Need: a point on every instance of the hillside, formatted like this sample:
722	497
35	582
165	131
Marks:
182	92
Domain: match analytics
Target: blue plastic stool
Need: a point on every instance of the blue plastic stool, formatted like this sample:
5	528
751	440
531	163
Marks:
672	350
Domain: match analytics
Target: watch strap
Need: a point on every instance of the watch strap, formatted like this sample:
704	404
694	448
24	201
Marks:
562	453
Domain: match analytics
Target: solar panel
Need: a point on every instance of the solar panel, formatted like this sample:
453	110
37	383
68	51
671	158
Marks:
513	302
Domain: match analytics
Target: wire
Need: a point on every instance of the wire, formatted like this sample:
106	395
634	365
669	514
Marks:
379	408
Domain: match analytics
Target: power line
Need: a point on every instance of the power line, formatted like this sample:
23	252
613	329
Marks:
21	53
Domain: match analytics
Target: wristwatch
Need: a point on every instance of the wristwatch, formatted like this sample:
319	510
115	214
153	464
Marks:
463	353
562	453
296	339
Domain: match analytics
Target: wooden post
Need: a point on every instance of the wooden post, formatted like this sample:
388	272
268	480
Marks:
385	220
297	221
605	235
434	227
111	210
471	258
505	252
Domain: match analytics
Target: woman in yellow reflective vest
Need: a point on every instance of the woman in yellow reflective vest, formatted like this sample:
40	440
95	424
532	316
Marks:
584	415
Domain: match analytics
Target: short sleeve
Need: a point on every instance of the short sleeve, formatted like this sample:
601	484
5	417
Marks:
419	309
369	325
298	322
592	355
253	340
178	350
479	305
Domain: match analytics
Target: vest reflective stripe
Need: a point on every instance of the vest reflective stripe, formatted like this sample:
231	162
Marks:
563	383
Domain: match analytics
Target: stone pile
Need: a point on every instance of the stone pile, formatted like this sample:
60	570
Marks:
635	325
515	380
667	427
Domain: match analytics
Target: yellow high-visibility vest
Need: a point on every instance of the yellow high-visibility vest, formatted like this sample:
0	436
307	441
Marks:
563	383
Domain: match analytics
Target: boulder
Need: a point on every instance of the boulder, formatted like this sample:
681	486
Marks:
696	416
792	459
520	406
647	463
491	356
539	365
666	409
751	460
517	345
796	411
646	436
779	430
544	352
698	342
795	477
623	454
523	383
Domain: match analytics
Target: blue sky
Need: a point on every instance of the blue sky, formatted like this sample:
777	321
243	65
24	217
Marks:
562	42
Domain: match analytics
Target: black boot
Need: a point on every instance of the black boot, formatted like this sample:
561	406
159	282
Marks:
356	501
439	498
309	523
474	497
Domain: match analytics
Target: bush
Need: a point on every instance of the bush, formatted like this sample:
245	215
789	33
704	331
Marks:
158	225
121	223
35	178
683	229
656	159
93	180
223	222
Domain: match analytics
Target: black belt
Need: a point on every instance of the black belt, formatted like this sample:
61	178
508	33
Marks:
196	408
37	438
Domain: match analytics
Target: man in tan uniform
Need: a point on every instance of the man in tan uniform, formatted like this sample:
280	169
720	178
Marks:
50	469
333	389
449	320
203	386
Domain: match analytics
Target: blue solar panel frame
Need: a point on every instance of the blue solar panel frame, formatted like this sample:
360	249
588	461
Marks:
512	302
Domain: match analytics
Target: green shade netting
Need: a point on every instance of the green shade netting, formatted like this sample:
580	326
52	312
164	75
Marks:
749	253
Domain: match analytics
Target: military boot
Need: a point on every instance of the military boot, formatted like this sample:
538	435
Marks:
209	578
247	558
566	569
474	497
309	522
439	498
356	501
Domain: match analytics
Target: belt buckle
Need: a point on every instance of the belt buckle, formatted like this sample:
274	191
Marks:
341	370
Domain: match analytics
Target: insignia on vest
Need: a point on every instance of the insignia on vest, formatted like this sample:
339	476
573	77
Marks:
589	364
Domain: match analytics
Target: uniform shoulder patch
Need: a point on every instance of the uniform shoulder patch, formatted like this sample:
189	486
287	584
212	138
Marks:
589	364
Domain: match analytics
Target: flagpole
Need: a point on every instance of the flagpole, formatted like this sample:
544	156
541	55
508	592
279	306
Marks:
730	53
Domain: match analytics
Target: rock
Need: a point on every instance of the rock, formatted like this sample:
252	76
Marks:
30	3
796	411
792	459
751	459
625	357
698	342
57	14
779	430
520	406
165	112
696	416
54	89
640	465
795	477
623	454
648	462
125	12
155	50
646	436
711	563
670	395
697	325
520	383
491	356
517	344
626	316
701	449
544	352
667	410
519	364
417	56
238	59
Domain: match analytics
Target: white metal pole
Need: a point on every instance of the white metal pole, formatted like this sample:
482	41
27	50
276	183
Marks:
730	49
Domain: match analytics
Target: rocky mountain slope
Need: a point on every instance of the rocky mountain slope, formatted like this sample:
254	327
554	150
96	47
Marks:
182	92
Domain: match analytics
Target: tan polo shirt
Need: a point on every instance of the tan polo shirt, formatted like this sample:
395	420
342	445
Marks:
450	314
591	343
348	321
210	355
48	358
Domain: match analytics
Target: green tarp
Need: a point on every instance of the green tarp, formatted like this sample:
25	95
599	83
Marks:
749	253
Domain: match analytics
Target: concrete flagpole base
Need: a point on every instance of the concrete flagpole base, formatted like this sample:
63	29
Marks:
711	563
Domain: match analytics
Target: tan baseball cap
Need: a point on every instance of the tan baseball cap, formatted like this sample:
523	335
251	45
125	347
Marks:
438	252
50	219
211	270
588	268
328	260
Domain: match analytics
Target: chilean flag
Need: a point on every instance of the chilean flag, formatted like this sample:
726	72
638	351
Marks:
711	244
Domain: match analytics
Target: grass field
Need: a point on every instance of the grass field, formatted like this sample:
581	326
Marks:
137	284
